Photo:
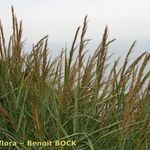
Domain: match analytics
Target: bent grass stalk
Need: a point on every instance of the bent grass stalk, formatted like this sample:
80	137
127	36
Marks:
99	106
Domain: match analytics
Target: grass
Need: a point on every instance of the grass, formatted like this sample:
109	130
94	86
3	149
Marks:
72	97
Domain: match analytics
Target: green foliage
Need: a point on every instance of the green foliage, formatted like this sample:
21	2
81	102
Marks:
73	98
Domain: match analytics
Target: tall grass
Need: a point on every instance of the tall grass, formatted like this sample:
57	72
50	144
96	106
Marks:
72	97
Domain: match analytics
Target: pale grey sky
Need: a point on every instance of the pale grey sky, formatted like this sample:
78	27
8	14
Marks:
128	20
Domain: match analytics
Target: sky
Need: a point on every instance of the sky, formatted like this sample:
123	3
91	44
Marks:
128	20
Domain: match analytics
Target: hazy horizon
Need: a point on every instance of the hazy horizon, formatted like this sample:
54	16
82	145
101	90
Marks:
127	21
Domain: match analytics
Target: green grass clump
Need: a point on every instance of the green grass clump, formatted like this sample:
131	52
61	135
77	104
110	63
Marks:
72	97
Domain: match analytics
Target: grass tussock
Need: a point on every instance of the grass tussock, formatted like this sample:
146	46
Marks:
73	97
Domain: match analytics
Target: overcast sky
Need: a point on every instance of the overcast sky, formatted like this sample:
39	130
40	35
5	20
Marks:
128	20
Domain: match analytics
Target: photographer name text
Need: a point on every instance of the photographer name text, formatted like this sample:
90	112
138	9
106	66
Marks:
31	143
